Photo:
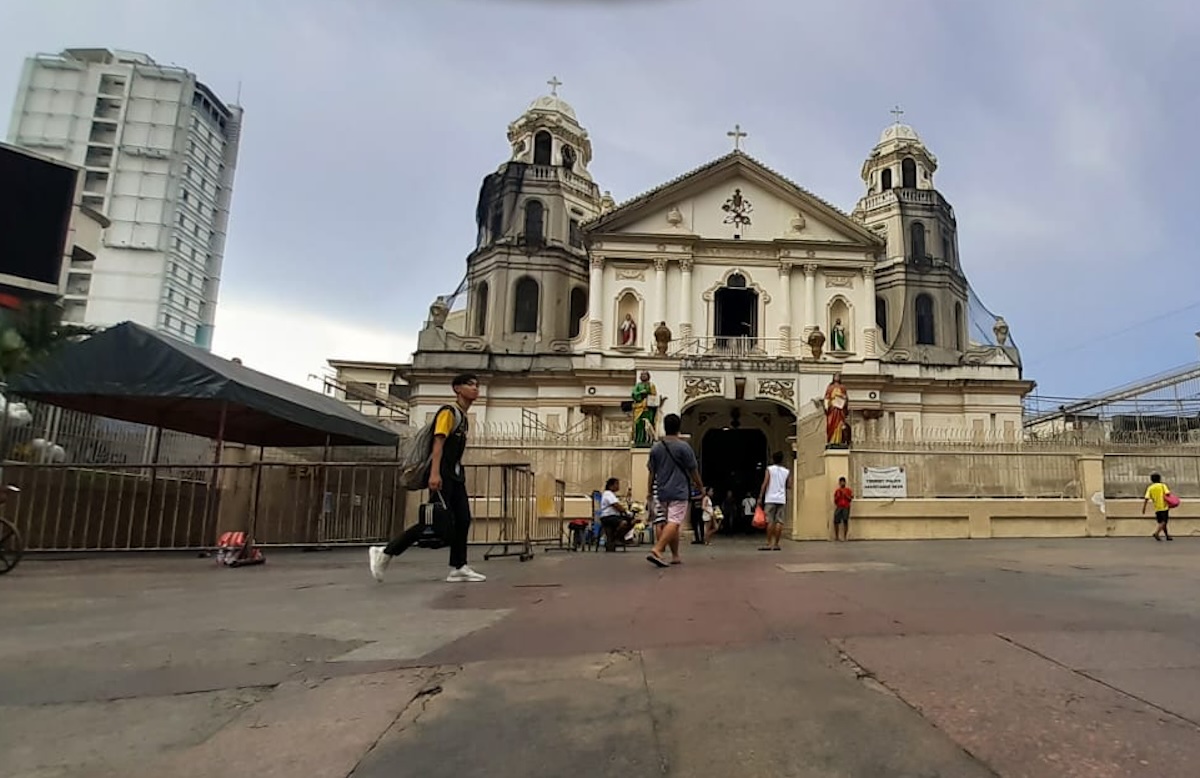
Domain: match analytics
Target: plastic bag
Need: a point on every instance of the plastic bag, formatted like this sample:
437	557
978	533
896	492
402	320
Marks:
760	518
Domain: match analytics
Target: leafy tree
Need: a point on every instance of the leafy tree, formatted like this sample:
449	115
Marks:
33	332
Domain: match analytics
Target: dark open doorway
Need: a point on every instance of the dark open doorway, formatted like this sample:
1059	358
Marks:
736	312
733	463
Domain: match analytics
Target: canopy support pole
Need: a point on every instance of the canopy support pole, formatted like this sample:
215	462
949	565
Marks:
214	480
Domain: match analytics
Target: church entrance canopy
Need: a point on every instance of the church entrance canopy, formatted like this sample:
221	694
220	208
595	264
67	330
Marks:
132	373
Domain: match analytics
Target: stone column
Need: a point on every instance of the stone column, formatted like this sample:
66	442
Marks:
596	303
785	305
810	305
660	293
811	319
869	330
685	299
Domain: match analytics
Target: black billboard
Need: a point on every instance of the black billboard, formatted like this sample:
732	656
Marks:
36	199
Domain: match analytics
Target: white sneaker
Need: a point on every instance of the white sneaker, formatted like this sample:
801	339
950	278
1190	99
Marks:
465	574
379	562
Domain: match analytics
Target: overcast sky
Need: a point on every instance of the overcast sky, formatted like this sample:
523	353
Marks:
1063	129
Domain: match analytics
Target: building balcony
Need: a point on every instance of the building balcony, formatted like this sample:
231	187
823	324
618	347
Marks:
737	352
929	197
553	173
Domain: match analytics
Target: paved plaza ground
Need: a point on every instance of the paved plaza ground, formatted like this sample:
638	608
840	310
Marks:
943	658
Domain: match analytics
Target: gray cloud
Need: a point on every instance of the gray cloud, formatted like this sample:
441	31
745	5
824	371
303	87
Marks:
1063	130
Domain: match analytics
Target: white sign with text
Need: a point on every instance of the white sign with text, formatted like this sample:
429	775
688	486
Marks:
884	482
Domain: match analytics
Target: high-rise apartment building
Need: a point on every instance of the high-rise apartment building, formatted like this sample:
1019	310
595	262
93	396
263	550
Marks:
158	149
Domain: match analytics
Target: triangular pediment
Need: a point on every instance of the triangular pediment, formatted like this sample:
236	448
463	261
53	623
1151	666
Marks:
703	203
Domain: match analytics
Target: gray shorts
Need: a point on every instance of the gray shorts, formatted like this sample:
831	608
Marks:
841	515
776	512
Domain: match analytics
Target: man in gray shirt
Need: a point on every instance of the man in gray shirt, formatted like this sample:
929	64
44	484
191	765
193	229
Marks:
673	470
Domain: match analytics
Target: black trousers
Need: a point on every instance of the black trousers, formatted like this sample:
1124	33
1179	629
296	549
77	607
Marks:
455	495
698	524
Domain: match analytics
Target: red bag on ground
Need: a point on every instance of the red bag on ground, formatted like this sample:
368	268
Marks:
760	518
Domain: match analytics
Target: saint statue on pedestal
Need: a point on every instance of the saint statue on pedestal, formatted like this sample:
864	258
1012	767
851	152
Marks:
837	336
837	409
628	331
645	412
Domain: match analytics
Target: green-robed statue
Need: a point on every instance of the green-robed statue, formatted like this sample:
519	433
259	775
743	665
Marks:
645	412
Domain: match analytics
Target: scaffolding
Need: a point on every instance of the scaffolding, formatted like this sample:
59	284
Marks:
1161	409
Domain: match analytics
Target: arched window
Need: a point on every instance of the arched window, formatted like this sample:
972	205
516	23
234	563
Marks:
579	304
908	173
885	179
481	309
574	234
917	235
958	327
497	222
535	223
542	144
525	305
881	318
925	321
946	251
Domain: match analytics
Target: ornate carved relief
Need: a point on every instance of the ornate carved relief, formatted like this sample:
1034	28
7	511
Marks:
737	211
674	217
785	267
686	265
630	274
660	264
811	269
597	263
701	386
868	272
737	252
798	222
839	281
780	388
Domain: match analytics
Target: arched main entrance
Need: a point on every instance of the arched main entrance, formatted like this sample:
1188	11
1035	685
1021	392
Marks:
734	441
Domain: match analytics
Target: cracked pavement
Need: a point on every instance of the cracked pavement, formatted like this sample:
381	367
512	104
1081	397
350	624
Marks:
944	658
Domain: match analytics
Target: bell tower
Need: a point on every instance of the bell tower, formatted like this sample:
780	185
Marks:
921	293
528	274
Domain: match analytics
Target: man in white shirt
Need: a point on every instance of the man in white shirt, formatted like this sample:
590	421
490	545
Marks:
613	515
773	496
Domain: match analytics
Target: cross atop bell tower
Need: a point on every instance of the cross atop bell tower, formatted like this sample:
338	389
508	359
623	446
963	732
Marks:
897	112
554	84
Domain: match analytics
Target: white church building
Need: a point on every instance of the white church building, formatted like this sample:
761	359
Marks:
717	283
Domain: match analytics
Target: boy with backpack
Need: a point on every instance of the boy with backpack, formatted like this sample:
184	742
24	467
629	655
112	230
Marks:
442	473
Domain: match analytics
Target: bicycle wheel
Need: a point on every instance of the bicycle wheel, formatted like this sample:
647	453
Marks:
11	546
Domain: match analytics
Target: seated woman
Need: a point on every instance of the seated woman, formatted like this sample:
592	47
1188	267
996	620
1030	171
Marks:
614	516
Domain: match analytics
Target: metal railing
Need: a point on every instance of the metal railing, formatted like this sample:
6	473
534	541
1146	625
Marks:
72	507
734	347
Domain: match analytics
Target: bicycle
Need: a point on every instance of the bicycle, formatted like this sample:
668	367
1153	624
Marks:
11	545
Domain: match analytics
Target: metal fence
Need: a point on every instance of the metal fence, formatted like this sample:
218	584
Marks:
71	507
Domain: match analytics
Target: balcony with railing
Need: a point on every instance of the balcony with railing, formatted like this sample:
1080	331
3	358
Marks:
550	173
907	196
731	347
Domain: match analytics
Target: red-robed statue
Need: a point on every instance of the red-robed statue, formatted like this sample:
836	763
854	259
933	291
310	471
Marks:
837	407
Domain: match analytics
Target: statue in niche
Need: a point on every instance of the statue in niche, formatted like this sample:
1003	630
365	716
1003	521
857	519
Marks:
662	338
438	312
837	410
837	336
628	332
816	342
645	412
1000	330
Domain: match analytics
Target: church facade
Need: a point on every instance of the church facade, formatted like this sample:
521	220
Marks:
741	294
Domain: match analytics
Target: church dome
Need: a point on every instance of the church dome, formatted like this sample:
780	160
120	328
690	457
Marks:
552	103
899	132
